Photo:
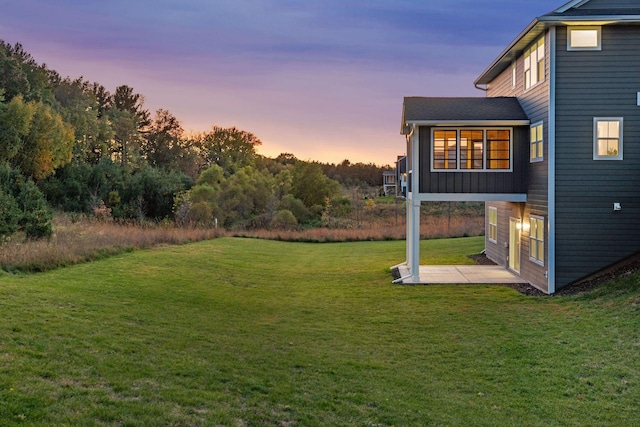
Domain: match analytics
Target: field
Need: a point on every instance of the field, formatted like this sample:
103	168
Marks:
248	332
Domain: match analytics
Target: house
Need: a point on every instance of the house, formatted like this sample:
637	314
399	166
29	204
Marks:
389	183
401	177
552	148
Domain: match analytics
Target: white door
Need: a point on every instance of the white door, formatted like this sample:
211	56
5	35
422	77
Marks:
514	244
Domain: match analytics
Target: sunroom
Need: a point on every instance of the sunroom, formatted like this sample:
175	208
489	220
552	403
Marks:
462	149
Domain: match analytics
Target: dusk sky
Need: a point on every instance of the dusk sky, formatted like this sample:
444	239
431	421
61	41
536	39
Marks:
322	79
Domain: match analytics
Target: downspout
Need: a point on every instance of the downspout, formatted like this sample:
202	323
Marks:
551	191
402	279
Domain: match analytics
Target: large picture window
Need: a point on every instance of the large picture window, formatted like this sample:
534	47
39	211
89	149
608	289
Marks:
534	64
471	150
536	239
607	138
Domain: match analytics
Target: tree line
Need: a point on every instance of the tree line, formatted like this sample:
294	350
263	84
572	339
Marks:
73	145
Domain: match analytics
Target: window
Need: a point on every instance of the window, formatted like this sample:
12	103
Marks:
445	150
536	141
493	225
534	64
607	138
584	38
536	239
498	149
472	149
513	74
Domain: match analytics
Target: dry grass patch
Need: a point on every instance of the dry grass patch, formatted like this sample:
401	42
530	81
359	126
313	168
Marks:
76	241
431	227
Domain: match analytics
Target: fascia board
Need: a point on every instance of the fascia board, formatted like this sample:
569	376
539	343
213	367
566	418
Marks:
484	123
592	19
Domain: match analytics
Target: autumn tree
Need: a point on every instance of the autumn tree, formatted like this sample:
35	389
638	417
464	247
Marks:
35	138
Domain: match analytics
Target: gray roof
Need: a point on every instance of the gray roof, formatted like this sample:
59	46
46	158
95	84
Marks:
583	12
462	110
576	11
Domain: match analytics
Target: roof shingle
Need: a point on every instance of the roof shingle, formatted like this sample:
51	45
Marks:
418	109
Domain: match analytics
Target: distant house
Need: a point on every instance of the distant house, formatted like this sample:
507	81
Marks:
552	149
389	183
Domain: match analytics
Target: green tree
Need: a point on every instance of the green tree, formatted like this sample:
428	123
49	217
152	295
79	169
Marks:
34	215
9	214
163	144
230	148
311	185
15	121
80	108
129	122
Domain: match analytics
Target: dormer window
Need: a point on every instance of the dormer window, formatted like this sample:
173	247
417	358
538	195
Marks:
584	38
534	64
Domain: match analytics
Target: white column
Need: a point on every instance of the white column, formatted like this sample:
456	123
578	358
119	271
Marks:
415	205
415	241
409	232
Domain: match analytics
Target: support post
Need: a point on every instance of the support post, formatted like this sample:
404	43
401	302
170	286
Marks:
415	205
415	241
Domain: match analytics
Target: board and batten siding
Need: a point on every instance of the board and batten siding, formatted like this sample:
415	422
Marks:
475	182
535	103
589	234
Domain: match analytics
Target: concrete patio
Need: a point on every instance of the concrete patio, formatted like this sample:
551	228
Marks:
461	274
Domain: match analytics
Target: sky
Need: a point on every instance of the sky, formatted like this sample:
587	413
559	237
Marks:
321	79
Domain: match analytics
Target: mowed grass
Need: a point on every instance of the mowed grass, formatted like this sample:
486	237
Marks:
244	332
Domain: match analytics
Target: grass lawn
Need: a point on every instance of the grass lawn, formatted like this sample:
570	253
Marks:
243	332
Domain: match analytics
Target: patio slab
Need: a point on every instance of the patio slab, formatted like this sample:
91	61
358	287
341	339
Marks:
461	274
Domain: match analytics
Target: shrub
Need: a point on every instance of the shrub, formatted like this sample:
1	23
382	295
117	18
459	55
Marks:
199	213
284	220
9	215
36	215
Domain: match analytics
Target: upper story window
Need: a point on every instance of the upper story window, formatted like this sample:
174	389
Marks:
514	75
607	138
584	38
471	150
534	64
536	143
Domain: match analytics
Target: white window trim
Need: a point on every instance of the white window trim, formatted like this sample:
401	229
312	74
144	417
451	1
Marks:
484	150
493	209
539	218
541	158
595	138
533	66
582	48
